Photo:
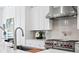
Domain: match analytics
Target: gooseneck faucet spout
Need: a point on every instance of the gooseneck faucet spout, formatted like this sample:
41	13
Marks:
15	35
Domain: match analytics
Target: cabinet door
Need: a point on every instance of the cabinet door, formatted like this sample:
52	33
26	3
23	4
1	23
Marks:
35	18
44	22
38	17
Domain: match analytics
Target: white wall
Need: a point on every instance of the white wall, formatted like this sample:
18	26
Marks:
28	33
8	12
1	31
20	22
59	27
18	13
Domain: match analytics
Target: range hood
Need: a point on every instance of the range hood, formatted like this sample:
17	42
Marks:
61	11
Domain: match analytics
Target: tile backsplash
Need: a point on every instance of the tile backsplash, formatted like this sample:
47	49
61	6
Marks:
61	25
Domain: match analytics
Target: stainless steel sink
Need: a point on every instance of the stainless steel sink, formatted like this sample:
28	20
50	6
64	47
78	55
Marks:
24	48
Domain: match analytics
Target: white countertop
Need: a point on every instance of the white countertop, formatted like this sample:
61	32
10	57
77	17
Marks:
4	48
77	42
55	51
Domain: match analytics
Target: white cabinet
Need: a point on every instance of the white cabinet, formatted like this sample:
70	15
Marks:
35	18
38	18
77	47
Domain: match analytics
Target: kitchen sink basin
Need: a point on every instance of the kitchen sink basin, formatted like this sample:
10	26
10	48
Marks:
30	49
23	48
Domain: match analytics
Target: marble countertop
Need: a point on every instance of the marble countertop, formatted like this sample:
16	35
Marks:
64	39
54	51
77	42
4	48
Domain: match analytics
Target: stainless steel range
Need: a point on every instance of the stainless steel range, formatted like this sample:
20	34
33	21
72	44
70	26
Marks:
68	45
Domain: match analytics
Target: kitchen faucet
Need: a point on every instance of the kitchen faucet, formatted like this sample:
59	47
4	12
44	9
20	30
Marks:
15	39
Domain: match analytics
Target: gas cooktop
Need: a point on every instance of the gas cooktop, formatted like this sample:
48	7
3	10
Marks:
68	45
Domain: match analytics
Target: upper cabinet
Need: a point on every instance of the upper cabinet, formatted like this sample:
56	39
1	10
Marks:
38	18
